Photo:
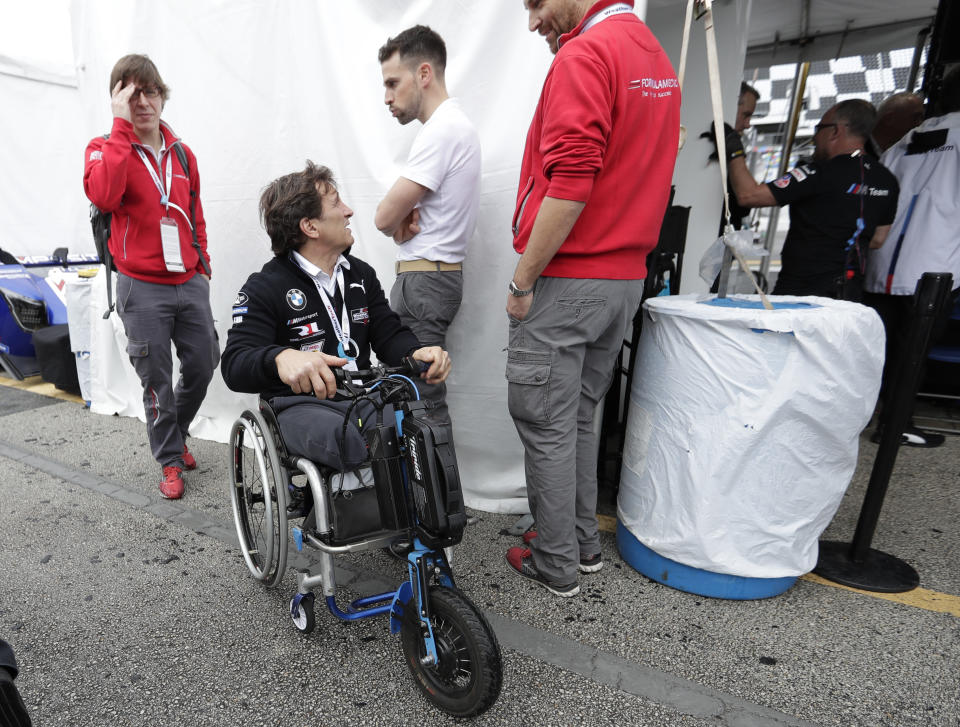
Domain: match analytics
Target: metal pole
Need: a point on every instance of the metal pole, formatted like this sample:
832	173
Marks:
799	88
857	564
932	291
915	63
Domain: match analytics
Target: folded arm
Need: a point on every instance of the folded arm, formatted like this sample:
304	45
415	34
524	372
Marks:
397	207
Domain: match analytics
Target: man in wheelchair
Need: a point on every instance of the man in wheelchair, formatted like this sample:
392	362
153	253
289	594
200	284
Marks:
312	308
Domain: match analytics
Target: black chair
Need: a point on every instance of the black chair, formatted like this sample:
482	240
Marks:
944	357
664	270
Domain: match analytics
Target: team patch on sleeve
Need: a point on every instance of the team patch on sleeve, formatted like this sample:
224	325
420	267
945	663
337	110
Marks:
237	319
783	181
95	155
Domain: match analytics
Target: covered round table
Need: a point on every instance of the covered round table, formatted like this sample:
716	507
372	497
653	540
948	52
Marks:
742	437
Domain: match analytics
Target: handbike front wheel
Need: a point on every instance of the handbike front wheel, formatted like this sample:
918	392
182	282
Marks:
467	677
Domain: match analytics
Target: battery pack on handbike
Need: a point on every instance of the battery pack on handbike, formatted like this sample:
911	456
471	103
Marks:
426	451
433	478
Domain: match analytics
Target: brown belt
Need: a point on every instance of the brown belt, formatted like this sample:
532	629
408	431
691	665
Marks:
425	266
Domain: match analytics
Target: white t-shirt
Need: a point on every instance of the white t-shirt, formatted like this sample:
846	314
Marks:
927	164
444	158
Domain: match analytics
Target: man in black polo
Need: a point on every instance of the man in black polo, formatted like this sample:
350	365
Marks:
840	203
312	308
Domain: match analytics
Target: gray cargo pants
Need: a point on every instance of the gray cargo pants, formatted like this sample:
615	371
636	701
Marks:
427	303
560	362
153	315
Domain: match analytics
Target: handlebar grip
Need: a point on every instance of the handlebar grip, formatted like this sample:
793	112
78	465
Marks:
413	367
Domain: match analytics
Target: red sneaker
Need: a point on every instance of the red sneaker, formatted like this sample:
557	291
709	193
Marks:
528	536
172	485
521	562
189	463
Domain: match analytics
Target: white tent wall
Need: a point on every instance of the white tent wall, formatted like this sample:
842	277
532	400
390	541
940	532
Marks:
257	88
42	162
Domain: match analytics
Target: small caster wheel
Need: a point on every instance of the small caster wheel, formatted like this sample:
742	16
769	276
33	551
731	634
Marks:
301	611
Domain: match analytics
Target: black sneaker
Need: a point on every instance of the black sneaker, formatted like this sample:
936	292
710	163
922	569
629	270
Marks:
520	561
914	437
590	563
300	502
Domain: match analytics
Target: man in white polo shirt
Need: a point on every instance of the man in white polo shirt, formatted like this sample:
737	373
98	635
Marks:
923	237
431	210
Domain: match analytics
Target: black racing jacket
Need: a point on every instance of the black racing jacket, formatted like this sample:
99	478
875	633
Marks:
280	307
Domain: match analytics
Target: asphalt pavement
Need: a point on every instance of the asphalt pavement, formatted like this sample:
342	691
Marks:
127	609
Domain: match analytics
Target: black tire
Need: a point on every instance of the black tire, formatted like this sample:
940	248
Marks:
305	619
466	680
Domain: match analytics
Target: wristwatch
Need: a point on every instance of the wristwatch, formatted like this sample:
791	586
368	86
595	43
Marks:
517	292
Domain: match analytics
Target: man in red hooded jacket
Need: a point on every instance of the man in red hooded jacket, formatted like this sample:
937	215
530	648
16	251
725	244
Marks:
158	240
594	185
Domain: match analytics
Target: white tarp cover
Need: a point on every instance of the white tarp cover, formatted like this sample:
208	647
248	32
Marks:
259	87
744	427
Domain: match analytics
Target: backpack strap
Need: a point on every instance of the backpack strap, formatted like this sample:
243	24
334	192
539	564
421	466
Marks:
101	221
185	163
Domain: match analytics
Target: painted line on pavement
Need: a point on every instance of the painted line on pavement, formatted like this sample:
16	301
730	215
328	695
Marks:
684	696
36	385
917	598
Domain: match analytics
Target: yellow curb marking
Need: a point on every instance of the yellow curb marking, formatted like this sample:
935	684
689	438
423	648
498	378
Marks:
918	598
36	385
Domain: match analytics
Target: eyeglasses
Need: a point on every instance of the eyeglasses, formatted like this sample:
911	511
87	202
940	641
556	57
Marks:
148	91
820	127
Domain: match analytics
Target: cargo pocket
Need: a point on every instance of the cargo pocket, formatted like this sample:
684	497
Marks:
138	349
528	392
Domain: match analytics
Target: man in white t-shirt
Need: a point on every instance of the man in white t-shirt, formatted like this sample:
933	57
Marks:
431	210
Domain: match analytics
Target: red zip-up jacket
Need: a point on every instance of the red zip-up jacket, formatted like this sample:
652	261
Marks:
116	180
605	132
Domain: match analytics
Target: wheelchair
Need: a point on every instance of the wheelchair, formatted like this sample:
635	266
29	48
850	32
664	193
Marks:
447	643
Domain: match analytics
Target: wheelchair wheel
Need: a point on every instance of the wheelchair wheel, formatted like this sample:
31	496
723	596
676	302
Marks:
304	619
258	495
468	674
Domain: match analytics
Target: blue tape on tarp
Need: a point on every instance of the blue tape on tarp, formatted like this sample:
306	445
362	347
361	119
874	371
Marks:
744	303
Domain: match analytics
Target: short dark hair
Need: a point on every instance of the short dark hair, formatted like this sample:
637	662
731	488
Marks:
858	115
287	200
747	88
416	45
138	67
950	90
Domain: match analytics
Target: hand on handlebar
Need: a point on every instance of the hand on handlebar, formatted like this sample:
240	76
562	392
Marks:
309	372
439	361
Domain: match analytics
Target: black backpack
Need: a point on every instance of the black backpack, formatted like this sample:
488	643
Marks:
100	222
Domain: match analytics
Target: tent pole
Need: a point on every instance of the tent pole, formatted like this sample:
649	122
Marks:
796	103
